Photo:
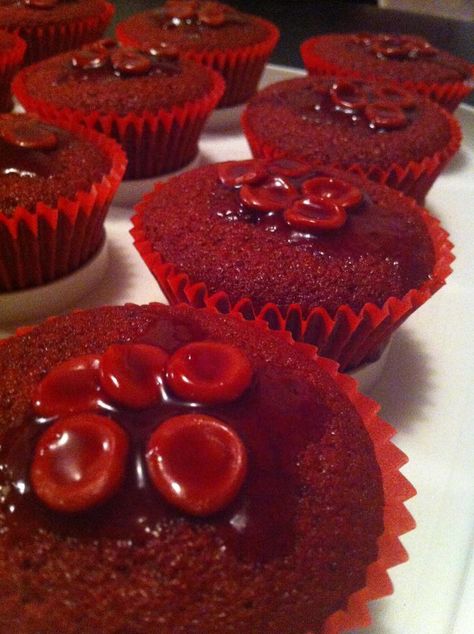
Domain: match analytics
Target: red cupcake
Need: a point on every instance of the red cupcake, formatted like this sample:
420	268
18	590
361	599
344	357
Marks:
51	26
154	104
337	260
408	60
375	129
12	50
55	189
235	44
151	441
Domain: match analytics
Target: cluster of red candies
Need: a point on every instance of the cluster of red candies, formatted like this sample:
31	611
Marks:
320	203
396	46
123	60
27	131
384	107
192	11
195	461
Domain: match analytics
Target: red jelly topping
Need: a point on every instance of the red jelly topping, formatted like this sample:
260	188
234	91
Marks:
131	373
336	190
27	132
79	462
208	372
235	173
385	115
315	215
275	194
197	463
73	386
388	46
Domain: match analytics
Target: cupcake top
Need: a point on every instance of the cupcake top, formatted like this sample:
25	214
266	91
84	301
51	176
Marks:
40	163
343	122
282	232
106	77
31	13
408	58
179	449
194	25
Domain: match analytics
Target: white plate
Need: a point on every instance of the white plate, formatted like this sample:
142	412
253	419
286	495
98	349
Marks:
426	391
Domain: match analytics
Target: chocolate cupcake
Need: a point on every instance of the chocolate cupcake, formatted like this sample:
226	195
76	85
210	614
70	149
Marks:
384	132
333	258
51	26
151	441
235	44
408	60
55	189
12	50
154	104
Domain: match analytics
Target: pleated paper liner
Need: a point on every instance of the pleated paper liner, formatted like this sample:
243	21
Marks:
414	179
448	94
45	40
155	142
10	62
241	67
43	245
397	490
349	338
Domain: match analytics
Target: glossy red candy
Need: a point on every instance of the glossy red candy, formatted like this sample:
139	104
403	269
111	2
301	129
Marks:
27	132
79	462
129	61
315	216
197	463
274	194
70	387
131	373
349	95
236	173
40	4
208	372
391	46
385	115
336	190
89	59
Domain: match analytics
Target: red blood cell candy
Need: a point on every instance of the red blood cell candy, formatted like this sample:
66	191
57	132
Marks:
197	463
208	372
70	387
315	216
79	462
275	194
385	115
89	59
128	61
336	190
395	95
348	95
130	373
236	173
27	132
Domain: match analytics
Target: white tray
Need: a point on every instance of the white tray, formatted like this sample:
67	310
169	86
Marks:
426	391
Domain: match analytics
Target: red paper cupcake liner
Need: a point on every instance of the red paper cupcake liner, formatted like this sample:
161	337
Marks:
347	337
45	40
154	142
50	242
447	94
397	490
414	179
10	61
241	68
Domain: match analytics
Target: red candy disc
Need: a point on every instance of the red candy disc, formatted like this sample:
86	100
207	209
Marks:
197	463
395	95
89	59
275	194
70	387
385	115
336	190
348	95
130	373
129	61
236	173
27	132
79	462
315	216
208	372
